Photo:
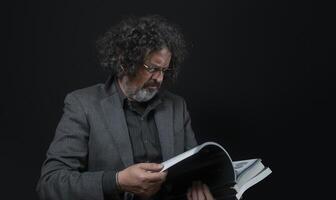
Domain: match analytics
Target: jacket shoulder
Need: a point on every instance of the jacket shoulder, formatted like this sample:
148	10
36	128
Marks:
89	94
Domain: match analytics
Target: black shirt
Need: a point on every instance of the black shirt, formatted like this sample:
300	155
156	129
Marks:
142	128
143	134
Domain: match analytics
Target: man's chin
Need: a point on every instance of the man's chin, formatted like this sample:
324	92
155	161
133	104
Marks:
152	88
145	94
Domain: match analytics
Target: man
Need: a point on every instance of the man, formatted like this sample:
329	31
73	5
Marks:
112	136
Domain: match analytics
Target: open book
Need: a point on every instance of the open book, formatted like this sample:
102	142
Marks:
211	164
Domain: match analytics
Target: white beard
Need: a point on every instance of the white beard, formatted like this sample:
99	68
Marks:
144	94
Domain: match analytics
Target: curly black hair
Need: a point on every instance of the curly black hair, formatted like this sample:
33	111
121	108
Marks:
127	43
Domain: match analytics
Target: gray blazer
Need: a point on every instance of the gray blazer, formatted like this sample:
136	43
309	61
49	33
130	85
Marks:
92	137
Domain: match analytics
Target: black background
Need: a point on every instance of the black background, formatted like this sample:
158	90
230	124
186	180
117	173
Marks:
259	80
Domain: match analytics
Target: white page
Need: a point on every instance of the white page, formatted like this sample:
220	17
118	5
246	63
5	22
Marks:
253	181
168	163
241	165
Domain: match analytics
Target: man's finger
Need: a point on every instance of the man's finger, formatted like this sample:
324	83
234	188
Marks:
207	192
155	176
155	167
194	195
200	193
189	194
164	174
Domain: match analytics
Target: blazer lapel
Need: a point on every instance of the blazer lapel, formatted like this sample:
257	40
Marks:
116	124
164	122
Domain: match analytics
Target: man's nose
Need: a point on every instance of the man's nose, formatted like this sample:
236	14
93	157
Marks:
158	76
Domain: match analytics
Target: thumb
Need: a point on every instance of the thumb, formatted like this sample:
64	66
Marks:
151	166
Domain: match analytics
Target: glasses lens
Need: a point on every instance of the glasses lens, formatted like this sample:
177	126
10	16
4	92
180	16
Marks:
152	70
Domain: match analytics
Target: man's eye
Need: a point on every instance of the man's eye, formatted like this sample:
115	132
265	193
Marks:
152	69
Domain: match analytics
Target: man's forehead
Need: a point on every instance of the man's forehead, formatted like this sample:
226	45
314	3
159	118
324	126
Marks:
160	58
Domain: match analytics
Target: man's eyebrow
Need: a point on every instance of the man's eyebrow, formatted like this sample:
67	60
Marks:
155	66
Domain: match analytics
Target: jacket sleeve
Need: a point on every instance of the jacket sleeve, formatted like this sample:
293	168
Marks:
64	174
190	140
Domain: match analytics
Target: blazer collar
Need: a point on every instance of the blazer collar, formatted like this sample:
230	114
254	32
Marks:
116	122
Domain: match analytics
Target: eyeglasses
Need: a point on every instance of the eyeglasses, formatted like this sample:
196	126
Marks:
153	70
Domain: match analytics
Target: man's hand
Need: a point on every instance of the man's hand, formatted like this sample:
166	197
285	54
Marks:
199	191
143	179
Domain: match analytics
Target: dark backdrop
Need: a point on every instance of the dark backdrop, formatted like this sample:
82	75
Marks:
258	80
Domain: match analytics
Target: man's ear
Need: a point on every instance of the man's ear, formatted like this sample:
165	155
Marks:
122	68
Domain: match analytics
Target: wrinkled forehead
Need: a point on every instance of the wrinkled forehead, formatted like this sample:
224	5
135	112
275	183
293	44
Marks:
159	58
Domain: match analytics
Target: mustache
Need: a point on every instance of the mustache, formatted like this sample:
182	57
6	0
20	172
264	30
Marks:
152	83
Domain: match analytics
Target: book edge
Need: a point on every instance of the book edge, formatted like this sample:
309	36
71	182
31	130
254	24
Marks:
176	159
262	175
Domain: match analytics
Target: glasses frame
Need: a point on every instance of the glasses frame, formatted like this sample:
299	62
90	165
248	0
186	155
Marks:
153	70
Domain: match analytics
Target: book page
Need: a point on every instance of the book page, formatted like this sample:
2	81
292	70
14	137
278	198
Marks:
167	164
242	165
253	181
249	173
